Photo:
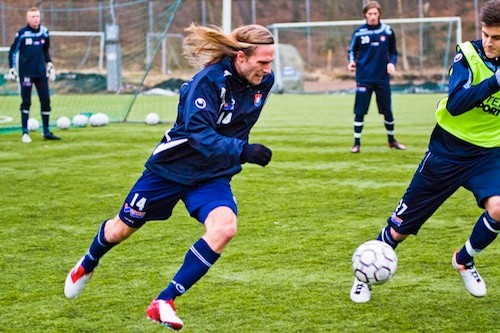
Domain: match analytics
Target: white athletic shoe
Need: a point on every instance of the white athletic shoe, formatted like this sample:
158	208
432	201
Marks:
360	291
474	283
26	138
163	312
76	280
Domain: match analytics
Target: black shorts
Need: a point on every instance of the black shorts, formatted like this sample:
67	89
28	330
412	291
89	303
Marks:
364	94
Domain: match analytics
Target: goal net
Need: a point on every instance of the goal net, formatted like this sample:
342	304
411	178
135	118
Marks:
104	56
318	60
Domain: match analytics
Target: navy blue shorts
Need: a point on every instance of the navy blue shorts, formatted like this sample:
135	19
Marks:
154	197
436	179
364	95
42	88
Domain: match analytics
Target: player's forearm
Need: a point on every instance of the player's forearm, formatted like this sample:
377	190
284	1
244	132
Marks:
46	55
12	52
11	59
463	99
393	58
203	137
393	51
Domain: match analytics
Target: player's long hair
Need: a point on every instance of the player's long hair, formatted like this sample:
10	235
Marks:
208	45
370	5
490	13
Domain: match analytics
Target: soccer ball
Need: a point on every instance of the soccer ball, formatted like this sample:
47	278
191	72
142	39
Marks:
152	118
99	119
80	120
33	124
63	123
374	262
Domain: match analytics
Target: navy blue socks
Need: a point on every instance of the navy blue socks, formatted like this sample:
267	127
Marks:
358	128
389	127
199	258
386	237
45	122
99	247
485	231
25	114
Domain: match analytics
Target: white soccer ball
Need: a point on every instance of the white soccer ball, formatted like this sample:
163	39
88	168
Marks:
99	119
374	262
63	123
152	118
104	118
80	120
33	124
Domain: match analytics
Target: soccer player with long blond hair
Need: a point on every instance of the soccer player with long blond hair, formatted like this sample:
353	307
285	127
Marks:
196	159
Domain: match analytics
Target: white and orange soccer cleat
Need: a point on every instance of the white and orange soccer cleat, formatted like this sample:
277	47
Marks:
473	282
163	312
76	280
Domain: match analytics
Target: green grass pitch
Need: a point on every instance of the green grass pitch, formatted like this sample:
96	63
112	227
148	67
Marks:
289	267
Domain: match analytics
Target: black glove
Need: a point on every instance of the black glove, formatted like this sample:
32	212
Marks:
256	153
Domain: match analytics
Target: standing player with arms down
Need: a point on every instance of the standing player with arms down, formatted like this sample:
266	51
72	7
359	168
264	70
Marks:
373	55
464	151
32	43
196	159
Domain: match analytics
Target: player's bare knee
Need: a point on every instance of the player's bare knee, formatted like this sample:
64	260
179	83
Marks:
399	237
222	224
495	214
493	208
226	228
230	230
116	230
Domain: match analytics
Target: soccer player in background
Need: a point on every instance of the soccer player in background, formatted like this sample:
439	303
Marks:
196	159
373	55
32	44
464	151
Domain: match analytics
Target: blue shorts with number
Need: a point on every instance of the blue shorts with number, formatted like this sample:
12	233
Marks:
154	197
436	179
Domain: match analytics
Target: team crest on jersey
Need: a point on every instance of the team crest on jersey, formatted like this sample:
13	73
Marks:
458	57
382	38
228	106
257	100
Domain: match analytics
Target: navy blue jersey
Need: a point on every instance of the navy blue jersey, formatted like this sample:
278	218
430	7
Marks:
33	48
216	112
372	48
